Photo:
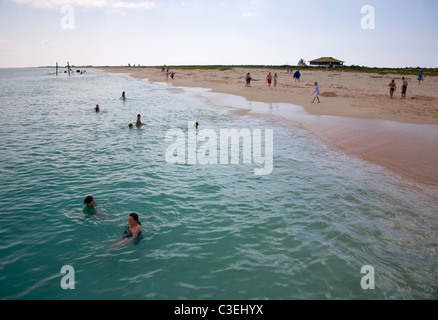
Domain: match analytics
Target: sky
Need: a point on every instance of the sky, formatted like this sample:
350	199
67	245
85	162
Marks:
373	33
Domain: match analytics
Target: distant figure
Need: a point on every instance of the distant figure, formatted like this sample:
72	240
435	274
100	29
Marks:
404	87
316	92
130	126
123	97
269	79
97	108
248	80
196	125
139	124
167	76
420	77
90	207
297	75
275	80
133	230
392	87
172	75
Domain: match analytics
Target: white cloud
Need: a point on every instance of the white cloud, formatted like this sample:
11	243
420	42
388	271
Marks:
46	42
133	5
58	3
249	14
88	4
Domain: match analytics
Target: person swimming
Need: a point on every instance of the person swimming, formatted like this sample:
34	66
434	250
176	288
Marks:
133	231
90	207
139	124
130	126
97	108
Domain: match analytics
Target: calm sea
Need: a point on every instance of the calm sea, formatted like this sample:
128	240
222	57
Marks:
304	231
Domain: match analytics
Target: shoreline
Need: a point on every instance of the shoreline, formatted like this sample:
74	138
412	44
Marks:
403	142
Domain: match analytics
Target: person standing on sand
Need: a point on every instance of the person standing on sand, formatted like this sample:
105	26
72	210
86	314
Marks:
404	88
392	87
420	77
269	79
275	80
248	80
316	93
297	75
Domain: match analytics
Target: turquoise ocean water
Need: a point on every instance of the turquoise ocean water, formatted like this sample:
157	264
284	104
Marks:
210	231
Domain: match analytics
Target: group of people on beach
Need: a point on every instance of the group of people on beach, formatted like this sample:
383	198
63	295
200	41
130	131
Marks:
393	87
132	233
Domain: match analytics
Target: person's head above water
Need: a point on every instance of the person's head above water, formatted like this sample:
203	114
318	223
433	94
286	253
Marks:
133	219
89	201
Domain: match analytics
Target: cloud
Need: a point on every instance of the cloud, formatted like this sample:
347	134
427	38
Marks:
48	4
57	3
249	14
133	5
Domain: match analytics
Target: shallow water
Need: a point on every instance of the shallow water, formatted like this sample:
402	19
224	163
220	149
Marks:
210	231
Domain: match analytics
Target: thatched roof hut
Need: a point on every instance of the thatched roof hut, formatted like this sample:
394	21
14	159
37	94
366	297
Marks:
326	61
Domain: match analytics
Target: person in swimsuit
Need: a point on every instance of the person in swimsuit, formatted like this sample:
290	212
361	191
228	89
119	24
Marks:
133	231
404	88
275	80
90	207
392	88
269	79
97	108
139	124
248	80
123	97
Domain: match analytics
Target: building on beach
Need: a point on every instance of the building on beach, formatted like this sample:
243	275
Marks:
326	61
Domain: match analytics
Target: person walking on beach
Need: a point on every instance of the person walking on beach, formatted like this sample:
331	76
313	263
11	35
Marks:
275	80
420	77
248	80
392	87
269	79
316	93
404	88
297	75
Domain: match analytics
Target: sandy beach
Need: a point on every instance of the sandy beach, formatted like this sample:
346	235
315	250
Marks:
356	113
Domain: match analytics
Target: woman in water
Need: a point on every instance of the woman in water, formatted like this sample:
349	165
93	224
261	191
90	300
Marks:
133	231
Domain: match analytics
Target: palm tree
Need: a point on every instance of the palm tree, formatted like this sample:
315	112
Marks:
302	63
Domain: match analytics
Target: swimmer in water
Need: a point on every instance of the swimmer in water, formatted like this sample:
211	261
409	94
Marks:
133	231
139	124
123	97
97	108
90	207
130	126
